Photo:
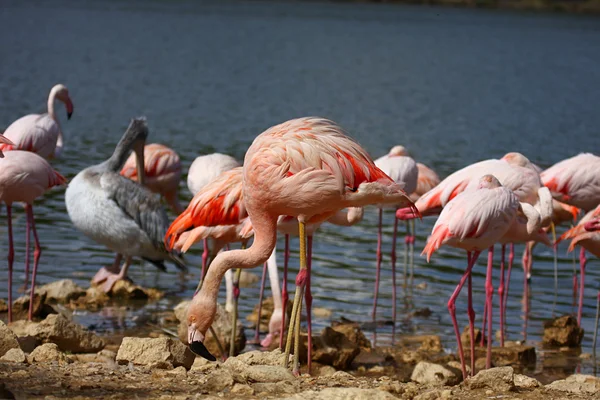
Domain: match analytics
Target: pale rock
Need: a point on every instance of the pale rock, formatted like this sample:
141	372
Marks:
526	382
242	389
218	381
577	384
163	352
48	352
343	394
8	340
61	291
500	379
14	355
429	373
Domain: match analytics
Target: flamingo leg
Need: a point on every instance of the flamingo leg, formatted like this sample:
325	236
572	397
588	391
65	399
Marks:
308	300
411	252
471	313
113	278
511	258
483	321
574	279
11	258
393	257
284	291
260	301
378	267
234	316
596	323
501	296
554	249
36	257
452	308
582	262
27	242
406	239
489	292
204	259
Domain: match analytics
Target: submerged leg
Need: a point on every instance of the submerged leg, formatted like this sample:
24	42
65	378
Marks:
11	258
36	257
452	309
378	266
284	291
489	292
501	296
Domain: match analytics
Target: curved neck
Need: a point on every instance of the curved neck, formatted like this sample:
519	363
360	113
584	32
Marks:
265	237
51	98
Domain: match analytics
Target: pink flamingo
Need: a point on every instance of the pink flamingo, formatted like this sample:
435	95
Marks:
162	169
427	180
592	244
40	133
24	176
475	220
205	169
404	171
307	168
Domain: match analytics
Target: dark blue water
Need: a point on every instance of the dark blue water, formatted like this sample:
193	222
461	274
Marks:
453	86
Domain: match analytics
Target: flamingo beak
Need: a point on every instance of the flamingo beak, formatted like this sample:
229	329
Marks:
592	226
69	105
197	346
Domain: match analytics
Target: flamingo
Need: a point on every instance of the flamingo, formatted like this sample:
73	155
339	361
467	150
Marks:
592	244
403	170
40	133
162	169
119	213
205	169
475	220
307	168
24	176
427	180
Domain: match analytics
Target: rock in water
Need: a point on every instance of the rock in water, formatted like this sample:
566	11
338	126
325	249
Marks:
56	328
335	349
429	373
40	308
8	340
61	291
562	331
163	352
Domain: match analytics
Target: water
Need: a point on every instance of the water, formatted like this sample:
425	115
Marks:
454	86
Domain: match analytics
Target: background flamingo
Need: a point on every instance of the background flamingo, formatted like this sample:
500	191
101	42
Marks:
162	169
307	168
40	133
24	176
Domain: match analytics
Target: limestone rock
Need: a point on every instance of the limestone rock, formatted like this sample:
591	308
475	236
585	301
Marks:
562	331
257	357
28	343
48	352
40	309
14	355
278	388
163	352
505	356
500	379
242	389
335	349
68	335
354	334
577	384
3	306
526	382
465	337
8	340
218	381
61	291
343	394
435	374
257	373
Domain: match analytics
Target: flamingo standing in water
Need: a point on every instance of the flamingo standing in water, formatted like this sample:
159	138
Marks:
593	246
162	169
475	220
205	169
40	133
24	176
404	171
575	181
306	168
121	214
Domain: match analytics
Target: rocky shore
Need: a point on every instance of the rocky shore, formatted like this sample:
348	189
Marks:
55	357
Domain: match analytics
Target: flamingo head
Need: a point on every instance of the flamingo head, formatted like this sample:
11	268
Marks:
488	182
5	140
593	225
274	327
199	318
398	151
62	94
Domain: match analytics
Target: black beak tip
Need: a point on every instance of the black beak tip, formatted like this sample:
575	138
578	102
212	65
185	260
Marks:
200	349
69	115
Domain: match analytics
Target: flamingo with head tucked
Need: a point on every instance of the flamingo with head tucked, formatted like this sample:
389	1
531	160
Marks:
307	168
40	133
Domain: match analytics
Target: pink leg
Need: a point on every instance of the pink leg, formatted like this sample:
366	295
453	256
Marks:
574	281
284	291
378	267
308	300
36	257
582	262
11	258
452	309
483	321
489	292
204	259
511	258
471	313
393	256
260	300
27	241
501	296
525	309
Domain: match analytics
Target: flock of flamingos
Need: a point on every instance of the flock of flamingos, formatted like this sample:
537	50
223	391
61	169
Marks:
295	176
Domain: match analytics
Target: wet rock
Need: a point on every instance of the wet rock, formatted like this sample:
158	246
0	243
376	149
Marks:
428	343
577	384
435	374
61	291
504	356
3	306
499	379
40	309
14	355
163	352
8	340
125	289
218	381
562	331
526	382
48	352
422	312
343	394
68	335
353	333
465	337
221	325
335	349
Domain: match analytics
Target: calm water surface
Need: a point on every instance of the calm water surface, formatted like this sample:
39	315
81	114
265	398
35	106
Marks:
454	86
